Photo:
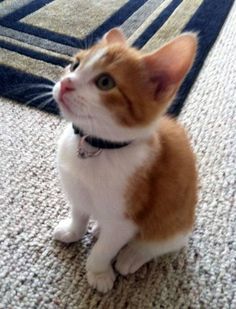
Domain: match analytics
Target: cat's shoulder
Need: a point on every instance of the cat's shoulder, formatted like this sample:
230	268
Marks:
169	125
173	136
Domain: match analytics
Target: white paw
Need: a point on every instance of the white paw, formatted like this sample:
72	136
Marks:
102	281
65	232
130	259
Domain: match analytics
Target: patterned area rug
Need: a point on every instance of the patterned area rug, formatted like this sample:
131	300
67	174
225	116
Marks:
38	37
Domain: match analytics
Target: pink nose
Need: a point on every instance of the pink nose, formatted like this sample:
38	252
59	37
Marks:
66	86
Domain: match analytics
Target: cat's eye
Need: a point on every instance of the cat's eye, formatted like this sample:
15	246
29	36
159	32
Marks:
74	65
105	82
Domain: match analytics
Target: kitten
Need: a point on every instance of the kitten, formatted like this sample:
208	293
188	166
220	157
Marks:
125	163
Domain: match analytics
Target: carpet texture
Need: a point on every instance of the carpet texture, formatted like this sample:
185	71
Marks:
37	272
38	37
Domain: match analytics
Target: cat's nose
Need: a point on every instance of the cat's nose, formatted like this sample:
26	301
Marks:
66	86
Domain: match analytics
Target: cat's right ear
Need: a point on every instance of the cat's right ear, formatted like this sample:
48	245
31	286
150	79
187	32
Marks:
113	36
169	65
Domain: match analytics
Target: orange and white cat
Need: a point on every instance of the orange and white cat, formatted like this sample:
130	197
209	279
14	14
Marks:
124	163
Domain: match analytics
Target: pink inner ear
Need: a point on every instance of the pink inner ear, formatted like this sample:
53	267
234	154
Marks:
168	66
161	82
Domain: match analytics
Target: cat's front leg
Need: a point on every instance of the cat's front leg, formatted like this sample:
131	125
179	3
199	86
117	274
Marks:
74	227
113	236
71	229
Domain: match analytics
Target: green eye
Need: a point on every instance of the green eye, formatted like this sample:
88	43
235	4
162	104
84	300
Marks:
74	65
105	82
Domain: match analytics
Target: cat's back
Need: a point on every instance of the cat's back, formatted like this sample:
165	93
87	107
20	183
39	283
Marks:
175	145
162	196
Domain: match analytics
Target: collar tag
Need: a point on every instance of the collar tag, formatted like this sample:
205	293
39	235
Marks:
83	153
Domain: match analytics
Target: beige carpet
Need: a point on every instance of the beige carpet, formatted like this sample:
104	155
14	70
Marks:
36	272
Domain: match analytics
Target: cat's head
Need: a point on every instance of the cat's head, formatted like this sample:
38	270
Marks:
118	93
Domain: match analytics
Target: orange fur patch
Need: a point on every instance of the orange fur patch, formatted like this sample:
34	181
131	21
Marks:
131	102
162	195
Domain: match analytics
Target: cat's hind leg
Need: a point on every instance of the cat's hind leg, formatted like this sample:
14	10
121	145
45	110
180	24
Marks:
137	253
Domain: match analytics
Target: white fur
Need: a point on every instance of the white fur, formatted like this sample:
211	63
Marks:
95	57
96	187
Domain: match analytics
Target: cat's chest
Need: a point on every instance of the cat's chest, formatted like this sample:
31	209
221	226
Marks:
111	169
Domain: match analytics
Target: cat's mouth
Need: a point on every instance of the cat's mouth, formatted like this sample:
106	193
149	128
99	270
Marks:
63	102
68	107
71	108
65	105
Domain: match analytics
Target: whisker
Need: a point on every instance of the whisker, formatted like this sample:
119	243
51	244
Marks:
33	94
41	86
29	85
26	87
37	97
43	104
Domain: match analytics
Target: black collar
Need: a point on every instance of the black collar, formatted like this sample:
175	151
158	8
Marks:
98	142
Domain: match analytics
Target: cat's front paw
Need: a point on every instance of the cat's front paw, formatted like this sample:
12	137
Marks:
66	232
101	281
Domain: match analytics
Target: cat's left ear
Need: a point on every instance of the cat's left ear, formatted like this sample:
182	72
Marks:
168	66
115	35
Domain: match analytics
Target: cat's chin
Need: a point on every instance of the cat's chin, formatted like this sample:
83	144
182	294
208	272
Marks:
79	120
66	111
65	107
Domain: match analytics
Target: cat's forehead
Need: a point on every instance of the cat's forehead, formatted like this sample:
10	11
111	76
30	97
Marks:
104	55
95	56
